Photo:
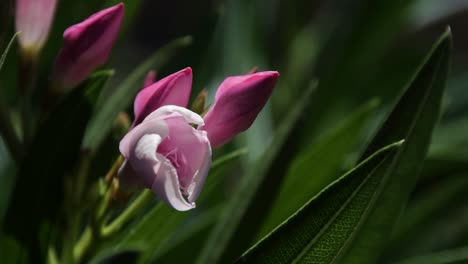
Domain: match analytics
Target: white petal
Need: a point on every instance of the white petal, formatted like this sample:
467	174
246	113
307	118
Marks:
167	188
200	177
147	145
174	110
130	140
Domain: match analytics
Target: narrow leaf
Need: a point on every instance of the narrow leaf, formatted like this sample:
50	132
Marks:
321	163
319	230
5	52
412	118
450	256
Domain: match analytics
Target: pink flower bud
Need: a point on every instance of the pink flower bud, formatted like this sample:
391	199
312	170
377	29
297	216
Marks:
34	18
172	90
166	154
87	45
238	101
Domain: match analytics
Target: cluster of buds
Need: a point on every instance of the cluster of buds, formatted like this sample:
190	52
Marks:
168	147
87	45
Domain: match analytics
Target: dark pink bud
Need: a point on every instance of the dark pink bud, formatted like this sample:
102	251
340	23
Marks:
172	90
238	101
87	45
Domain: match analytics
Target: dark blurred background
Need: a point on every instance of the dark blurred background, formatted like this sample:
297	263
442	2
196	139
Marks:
357	51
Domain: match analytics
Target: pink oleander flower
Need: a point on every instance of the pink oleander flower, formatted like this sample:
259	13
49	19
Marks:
87	45
34	19
238	101
165	153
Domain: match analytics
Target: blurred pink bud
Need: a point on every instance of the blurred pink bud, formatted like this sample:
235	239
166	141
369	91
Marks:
172	90
166	154
149	79
34	19
238	101
87	45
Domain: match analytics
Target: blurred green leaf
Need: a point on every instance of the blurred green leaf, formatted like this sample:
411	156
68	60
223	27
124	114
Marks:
7	180
318	232
38	193
131	9
450	256
129	255
188	240
320	163
435	198
119	98
428	207
413	118
11	251
243	200
5	52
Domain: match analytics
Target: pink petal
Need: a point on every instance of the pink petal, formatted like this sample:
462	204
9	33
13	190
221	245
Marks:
34	19
87	45
198	180
238	101
186	148
167	188
172	90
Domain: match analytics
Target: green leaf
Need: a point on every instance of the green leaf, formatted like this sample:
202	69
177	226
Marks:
418	228
412	118
318	232
450	256
358	234
128	255
187	242
5	52
321	162
119	99
38	193
240	202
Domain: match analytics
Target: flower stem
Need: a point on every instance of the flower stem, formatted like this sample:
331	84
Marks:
143	199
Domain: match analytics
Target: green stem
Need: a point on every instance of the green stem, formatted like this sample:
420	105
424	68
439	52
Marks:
82	246
52	256
133	209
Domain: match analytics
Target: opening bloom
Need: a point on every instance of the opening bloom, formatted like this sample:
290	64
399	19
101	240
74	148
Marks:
166	154
164	151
